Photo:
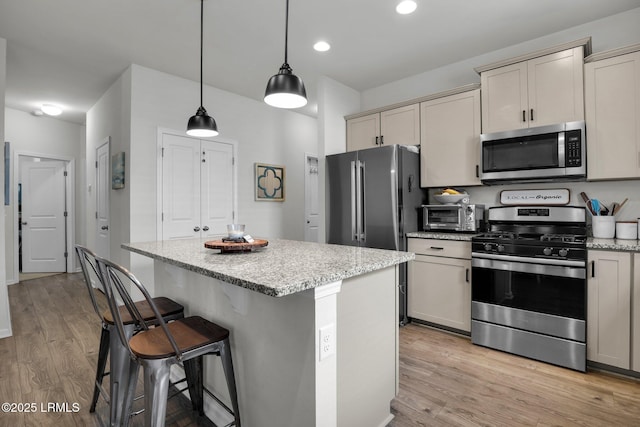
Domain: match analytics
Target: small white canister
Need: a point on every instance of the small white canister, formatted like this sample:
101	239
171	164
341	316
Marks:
626	230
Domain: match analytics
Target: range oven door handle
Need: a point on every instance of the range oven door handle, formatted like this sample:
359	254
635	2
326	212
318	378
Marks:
524	267
545	261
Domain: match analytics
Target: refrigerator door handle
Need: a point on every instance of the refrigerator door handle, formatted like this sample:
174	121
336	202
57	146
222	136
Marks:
354	207
362	201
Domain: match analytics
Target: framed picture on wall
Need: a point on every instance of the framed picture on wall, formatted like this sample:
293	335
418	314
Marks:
269	182
117	171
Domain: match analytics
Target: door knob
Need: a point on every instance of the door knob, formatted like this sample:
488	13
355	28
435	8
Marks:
205	228
104	227
24	223
308	222
196	228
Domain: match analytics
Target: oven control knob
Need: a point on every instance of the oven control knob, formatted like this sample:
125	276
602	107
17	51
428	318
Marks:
547	251
500	248
487	246
563	252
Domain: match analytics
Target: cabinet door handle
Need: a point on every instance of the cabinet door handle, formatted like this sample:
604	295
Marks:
524	116
437	248
377	140
205	228
593	269
466	275
196	228
532	114
477	171
381	139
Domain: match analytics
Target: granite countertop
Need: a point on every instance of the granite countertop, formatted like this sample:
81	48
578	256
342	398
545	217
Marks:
283	267
441	235
614	244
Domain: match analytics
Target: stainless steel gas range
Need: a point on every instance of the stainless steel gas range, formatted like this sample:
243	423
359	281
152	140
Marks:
529	288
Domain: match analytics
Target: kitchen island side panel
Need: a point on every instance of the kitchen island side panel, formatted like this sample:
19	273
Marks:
281	381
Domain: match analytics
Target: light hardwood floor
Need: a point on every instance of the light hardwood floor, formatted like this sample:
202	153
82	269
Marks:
444	379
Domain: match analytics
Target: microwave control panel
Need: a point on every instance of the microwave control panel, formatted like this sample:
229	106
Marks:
573	148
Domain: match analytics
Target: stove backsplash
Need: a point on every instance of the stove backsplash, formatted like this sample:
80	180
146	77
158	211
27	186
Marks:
605	191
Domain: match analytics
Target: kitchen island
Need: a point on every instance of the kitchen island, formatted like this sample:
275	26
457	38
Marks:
314	327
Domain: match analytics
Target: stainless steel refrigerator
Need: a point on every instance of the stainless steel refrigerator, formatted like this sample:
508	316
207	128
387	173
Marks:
374	199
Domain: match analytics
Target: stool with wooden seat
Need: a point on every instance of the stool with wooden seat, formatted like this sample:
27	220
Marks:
185	340
110	343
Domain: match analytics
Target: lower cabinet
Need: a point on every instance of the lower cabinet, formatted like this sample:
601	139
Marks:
439	283
609	308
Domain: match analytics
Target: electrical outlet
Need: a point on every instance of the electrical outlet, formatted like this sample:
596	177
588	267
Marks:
327	338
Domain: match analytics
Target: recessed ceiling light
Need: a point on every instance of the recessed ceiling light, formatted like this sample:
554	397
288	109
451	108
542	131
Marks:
51	110
322	46
406	7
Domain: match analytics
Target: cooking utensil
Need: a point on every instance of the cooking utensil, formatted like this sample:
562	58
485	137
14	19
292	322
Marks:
620	206
587	202
595	206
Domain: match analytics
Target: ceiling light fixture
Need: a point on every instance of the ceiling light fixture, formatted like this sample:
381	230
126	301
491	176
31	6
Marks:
51	110
322	46
285	89
201	124
406	7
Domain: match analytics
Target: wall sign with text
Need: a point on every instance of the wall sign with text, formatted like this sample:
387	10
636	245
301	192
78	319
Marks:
554	196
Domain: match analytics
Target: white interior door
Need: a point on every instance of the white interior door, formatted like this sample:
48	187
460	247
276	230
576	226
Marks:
103	185
311	203
216	188
197	187
43	216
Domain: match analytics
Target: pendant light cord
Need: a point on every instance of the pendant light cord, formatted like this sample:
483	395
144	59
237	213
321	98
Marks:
286	31
201	42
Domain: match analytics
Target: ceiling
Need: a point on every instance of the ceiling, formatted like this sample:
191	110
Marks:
69	52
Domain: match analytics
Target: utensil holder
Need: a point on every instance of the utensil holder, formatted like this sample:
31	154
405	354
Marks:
626	230
603	227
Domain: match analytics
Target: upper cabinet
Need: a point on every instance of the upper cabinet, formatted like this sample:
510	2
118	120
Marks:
450	136
542	90
612	103
394	126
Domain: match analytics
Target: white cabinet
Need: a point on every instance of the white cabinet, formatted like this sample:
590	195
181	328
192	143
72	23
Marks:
439	283
612	103
609	308
450	138
394	126
197	187
541	91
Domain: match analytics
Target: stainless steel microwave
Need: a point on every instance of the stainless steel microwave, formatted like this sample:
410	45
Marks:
454	217
534	154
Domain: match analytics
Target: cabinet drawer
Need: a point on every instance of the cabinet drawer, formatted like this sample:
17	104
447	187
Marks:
444	248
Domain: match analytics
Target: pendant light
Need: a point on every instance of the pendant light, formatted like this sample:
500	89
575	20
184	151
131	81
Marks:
201	124
285	89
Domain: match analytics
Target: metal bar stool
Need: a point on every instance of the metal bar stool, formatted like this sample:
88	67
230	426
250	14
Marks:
157	349
110	343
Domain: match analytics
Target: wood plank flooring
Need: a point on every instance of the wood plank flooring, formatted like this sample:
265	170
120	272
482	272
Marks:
52	355
447	381
444	379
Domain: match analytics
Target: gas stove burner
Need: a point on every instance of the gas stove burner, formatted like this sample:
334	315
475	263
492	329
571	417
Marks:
568	238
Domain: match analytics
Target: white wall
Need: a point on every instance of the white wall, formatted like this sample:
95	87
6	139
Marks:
42	136
110	117
607	33
144	100
5	318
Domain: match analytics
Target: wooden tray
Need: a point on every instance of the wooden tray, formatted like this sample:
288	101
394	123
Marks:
235	247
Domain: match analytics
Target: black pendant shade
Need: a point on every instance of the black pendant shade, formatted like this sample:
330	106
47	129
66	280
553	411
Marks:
285	89
201	124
